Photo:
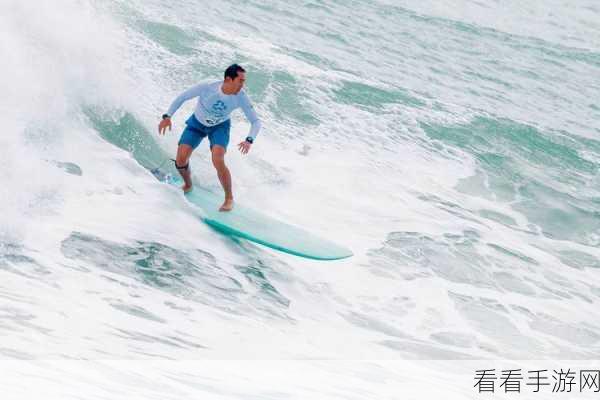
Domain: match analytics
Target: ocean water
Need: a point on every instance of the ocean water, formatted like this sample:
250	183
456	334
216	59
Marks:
453	146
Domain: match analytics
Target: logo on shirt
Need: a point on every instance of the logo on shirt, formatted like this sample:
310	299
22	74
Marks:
217	112
218	108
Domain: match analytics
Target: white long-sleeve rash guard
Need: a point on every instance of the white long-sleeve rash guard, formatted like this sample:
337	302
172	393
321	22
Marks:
214	106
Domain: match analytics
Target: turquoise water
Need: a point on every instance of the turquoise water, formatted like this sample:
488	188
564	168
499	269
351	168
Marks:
453	147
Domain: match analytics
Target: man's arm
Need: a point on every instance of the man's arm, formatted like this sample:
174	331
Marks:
192	92
250	116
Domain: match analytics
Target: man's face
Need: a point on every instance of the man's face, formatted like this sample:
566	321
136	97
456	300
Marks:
238	82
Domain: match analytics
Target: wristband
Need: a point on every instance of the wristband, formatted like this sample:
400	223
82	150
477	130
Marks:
165	116
249	139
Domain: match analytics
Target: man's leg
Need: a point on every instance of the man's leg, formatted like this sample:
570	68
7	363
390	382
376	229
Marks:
184	151
218	160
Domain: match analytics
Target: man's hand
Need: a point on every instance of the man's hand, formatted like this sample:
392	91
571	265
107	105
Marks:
244	147
164	124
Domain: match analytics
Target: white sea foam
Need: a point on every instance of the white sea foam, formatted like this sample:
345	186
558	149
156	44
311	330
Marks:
111	264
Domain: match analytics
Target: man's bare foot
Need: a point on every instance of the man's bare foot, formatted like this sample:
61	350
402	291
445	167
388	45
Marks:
227	205
186	188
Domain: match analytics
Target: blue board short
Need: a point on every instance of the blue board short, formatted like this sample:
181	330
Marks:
194	132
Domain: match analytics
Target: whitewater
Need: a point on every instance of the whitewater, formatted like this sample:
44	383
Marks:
452	146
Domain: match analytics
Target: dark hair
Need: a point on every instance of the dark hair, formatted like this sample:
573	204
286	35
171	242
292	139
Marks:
232	71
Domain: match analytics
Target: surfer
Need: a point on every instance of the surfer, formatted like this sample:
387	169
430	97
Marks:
216	101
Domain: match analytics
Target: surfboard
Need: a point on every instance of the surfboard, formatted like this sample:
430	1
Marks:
252	225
